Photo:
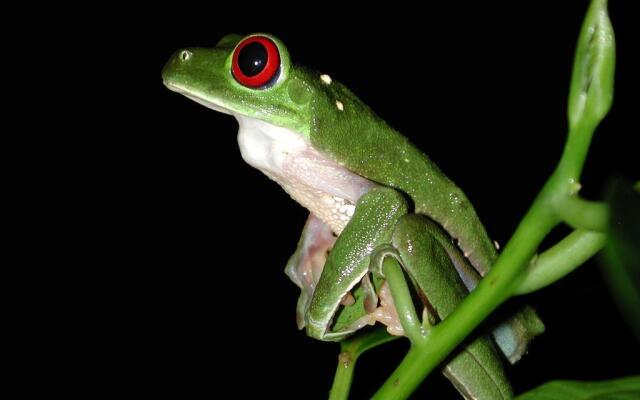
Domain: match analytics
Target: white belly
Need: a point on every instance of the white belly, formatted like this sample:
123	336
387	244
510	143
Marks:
318	183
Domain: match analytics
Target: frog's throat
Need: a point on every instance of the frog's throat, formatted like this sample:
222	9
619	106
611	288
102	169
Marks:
320	184
313	179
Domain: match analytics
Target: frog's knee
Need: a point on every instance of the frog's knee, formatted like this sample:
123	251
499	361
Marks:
413	234
384	197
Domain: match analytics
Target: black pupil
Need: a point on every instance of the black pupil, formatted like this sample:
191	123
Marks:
252	59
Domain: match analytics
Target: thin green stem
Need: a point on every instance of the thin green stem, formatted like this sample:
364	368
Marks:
574	156
402	299
409	374
496	287
350	351
499	284
583	214
561	259
343	377
590	97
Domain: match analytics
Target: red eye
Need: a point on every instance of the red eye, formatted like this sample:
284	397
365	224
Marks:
256	62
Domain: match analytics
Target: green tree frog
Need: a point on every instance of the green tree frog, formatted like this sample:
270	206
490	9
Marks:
371	194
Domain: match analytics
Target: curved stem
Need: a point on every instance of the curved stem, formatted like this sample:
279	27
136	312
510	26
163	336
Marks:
583	214
402	300
409	374
561	259
350	351
590	97
495	288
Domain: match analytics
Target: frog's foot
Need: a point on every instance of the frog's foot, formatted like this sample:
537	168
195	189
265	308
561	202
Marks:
381	307
305	265
384	312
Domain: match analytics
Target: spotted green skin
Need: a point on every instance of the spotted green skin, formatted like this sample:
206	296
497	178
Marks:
382	221
339	125
354	136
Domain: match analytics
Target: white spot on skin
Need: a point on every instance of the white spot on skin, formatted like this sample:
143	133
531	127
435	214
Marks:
339	105
326	79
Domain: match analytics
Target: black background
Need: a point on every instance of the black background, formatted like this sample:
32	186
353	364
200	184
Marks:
480	88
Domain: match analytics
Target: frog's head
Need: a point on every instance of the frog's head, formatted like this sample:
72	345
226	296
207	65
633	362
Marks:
250	76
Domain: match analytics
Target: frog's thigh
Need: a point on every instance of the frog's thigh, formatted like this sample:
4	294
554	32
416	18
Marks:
476	371
305	265
428	264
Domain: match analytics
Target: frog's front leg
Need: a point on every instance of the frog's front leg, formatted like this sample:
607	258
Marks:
380	227
346	269
305	265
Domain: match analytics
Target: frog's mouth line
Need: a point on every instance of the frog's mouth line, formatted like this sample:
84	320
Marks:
200	100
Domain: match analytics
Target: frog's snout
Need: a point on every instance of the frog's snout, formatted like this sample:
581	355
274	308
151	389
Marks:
178	60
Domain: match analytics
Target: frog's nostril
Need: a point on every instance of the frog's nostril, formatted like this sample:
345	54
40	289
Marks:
185	55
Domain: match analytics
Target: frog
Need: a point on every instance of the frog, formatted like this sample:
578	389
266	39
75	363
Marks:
371	195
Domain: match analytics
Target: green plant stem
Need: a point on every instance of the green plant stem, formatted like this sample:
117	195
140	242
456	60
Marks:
343	377
350	351
561	259
402	299
499	284
590	97
428	352
583	214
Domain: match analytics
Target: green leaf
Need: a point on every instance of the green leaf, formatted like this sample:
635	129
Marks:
618	389
622	251
591	91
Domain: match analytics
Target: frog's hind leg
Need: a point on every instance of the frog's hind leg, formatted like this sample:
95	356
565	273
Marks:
476	369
